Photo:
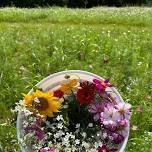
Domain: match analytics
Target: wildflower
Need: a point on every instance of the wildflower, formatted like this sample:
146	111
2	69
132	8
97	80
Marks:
77	141
101	85
60	125
68	85
139	109
124	109
134	127
59	117
86	93
42	102
58	93
96	109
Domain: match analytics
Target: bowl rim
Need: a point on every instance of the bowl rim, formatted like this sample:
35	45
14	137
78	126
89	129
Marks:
19	117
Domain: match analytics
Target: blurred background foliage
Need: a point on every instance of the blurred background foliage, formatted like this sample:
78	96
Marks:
73	3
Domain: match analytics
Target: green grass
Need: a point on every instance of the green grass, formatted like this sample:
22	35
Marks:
37	42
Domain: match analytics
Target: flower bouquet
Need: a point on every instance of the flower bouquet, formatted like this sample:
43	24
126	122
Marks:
73	111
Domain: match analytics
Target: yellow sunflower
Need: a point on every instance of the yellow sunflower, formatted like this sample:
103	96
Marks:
42	102
68	85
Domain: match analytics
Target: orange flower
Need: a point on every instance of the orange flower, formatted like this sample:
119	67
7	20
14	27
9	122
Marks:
68	86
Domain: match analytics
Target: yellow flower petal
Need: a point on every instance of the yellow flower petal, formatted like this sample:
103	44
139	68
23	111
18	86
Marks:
46	104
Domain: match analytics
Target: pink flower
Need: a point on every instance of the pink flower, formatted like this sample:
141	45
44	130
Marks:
109	114
47	149
139	109
96	109
123	127
101	85
124	109
109	117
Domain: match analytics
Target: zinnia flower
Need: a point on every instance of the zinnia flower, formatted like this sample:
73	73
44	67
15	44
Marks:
68	85
101	85
58	93
42	102
86	93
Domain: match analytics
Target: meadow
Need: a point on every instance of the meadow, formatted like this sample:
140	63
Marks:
112	42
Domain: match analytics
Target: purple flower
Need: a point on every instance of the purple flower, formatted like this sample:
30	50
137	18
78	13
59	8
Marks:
101	85
36	129
124	109
117	138
103	148
47	150
39	134
96	109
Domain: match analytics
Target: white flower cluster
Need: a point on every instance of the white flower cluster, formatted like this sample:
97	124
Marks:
60	138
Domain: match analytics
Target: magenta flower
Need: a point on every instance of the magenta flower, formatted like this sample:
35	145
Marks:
47	150
103	148
96	109
39	134
101	85
124	109
117	138
36	129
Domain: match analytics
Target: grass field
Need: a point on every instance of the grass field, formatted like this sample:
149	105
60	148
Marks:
111	42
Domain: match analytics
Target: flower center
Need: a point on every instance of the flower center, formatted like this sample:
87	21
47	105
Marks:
122	111
40	104
99	110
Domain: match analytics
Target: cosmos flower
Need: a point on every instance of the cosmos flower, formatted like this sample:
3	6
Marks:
124	109
86	92
109	114
42	102
96	109
109	117
101	85
68	85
